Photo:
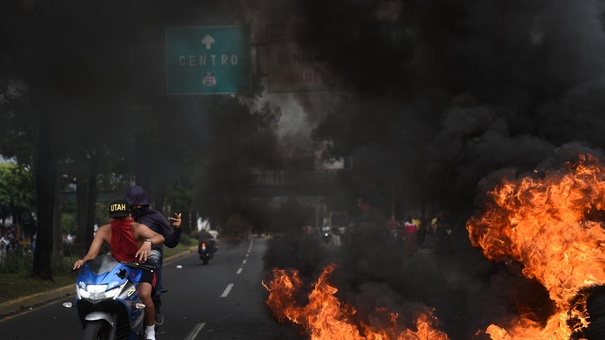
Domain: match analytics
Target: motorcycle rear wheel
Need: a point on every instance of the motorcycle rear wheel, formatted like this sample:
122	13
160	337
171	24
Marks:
94	330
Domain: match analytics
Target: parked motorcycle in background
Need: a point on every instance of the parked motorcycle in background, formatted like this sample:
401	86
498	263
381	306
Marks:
108	300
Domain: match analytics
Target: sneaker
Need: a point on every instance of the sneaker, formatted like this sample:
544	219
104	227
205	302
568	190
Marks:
159	319
149	336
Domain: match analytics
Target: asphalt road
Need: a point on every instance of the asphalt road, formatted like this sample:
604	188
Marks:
222	300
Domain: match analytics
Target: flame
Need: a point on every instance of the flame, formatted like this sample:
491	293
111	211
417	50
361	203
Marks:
548	225
325	317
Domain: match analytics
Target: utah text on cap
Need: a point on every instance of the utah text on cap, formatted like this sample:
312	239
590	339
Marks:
117	207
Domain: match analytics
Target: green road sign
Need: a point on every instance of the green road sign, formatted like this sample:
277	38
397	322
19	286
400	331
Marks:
207	60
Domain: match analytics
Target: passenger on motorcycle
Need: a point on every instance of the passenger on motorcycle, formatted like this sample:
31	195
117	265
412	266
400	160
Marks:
140	206
128	241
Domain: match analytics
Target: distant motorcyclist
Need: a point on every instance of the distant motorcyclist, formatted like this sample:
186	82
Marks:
205	236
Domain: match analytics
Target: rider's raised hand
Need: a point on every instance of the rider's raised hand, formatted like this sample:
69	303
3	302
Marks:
176	221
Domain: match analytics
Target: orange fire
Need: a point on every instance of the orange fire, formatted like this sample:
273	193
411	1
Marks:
325	317
550	224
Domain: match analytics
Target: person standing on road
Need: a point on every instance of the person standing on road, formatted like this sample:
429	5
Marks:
140	207
411	234
128	241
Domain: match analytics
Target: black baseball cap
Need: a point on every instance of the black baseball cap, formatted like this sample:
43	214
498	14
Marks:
119	209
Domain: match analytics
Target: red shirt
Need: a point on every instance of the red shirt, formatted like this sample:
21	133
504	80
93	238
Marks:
410	227
123	246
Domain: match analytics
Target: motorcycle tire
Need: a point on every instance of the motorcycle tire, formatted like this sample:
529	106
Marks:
205	260
96	330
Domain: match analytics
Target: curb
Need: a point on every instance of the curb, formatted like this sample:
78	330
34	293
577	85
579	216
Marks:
25	303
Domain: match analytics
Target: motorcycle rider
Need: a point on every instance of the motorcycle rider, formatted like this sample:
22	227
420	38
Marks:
128	241
205	236
140	207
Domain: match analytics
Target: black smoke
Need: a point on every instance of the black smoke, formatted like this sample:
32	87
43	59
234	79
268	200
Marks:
444	98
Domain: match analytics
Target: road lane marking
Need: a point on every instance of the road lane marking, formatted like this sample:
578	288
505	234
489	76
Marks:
227	290
241	268
194	332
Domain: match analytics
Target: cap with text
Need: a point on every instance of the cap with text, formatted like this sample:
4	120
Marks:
119	209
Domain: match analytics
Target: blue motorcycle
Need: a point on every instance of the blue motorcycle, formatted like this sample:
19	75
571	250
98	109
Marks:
108	299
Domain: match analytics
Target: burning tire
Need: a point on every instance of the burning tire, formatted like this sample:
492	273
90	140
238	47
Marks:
595	304
591	303
596	329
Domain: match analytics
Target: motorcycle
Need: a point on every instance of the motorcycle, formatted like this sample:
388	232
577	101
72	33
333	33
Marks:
108	300
326	234
205	251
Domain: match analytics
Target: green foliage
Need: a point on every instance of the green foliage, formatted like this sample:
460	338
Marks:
16	263
22	263
68	222
16	189
183	246
187	240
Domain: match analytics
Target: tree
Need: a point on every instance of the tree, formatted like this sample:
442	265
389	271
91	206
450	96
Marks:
65	108
16	191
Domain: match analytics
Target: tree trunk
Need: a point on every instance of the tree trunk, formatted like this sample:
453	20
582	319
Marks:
143	165
160	197
93	195
45	194
57	235
82	208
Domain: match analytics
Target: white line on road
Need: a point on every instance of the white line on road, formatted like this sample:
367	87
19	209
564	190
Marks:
239	271
251	243
227	290
194	332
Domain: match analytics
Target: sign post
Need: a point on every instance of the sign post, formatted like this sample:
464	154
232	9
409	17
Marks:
293	67
208	60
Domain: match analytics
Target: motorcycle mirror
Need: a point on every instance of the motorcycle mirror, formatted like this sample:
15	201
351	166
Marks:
122	274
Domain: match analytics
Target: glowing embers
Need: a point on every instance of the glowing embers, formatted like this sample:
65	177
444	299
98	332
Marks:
323	316
552	225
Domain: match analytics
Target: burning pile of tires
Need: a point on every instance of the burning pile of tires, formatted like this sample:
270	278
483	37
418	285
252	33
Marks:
589	302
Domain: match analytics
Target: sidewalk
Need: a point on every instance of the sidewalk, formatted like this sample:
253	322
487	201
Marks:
23	304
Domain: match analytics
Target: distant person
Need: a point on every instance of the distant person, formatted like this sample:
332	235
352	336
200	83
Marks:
420	230
13	242
128	241
205	236
336	236
410	230
3	241
140	207
3	247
